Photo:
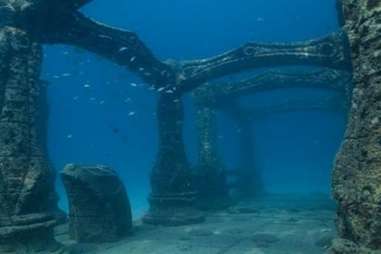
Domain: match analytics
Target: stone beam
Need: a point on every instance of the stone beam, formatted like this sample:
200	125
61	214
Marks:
173	195
58	22
331	51
357	171
325	79
120	46
218	95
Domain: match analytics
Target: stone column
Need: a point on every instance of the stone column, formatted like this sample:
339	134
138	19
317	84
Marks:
173	194
27	199
211	183
357	173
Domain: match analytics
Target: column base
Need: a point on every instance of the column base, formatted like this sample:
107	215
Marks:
32	233
173	210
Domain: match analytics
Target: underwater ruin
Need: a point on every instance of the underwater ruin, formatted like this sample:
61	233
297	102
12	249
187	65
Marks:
190	207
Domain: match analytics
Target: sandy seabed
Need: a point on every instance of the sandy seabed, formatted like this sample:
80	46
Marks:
278	224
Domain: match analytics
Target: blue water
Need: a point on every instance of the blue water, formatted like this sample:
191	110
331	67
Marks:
102	114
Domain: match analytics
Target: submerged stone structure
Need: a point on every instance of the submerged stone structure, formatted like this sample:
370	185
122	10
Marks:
99	207
210	172
223	97
56	22
27	198
173	197
357	173
331	52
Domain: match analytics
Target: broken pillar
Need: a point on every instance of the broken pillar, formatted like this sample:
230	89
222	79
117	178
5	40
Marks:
27	197
99	209
173	197
211	174
357	171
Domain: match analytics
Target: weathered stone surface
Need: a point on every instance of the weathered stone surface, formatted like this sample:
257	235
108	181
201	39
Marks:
173	194
99	207
211	180
220	93
331	51
27	198
357	174
342	246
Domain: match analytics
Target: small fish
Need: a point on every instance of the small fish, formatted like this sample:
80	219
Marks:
123	49
132	59
69	136
66	74
101	102
132	113
104	36
133	84
86	85
160	89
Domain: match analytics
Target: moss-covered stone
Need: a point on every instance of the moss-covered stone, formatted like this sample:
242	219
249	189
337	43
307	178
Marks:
357	173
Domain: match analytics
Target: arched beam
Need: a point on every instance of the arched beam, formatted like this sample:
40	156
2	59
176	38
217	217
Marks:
220	94
53	21
330	79
331	51
59	22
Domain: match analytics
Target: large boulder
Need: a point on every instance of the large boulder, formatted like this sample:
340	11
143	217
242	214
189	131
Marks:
99	209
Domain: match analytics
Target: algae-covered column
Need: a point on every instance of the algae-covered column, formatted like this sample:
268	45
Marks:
173	194
211	181
357	173
27	199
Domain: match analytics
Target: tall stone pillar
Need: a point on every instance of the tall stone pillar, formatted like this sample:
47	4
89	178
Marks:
173	197
211	178
27	199
249	179
357	172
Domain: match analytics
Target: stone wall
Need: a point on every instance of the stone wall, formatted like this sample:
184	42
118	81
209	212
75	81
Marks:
357	173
